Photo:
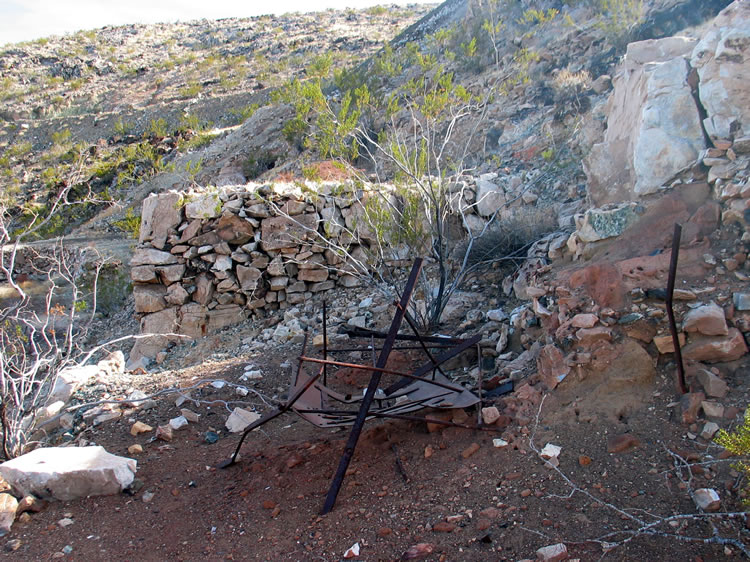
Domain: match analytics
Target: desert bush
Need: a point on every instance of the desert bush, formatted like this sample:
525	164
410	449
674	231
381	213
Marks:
737	442
130	224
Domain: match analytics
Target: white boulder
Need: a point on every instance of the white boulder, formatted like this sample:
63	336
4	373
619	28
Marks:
68	473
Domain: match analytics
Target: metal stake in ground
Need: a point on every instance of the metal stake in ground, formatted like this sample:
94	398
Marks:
371	388
670	311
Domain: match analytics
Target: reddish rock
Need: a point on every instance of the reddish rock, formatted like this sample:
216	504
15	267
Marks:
470	450
690	404
443	527
418	551
384	531
642	330
269	504
551	366
665	344
490	513
602	282
583	460
712	385
552	553
707	320
622	443
716	348
589	336
584	320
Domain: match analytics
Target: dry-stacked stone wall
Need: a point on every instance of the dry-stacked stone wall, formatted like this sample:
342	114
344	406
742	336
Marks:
210	259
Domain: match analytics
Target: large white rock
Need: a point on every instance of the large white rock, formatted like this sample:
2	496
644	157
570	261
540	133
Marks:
206	206
490	196
68	473
722	59
239	419
653	124
68	381
160	213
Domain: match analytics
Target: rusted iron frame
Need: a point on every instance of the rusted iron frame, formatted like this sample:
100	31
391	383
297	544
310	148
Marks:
413	327
409	376
681	385
402	417
280	410
395	348
442	358
365	333
370	392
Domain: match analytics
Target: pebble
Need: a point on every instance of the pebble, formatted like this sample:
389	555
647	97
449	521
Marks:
443	527
470	450
499	443
190	416
178	423
147	497
211	437
65	522
140	427
13	545
164	432
135	449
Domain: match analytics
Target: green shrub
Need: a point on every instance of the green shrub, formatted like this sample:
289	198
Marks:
130	224
738	443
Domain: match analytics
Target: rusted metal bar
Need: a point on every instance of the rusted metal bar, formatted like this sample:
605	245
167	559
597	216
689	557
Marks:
413	327
276	413
325	343
395	348
406	417
442	358
399	464
479	385
409	376
365	333
370	392
681	385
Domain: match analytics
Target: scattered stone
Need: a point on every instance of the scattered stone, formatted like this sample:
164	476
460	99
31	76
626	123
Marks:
190	416
552	553
239	419
712	385
709	430
707	320
8	509
147	497
65	522
741	301
707	499
211	437
665	344
32	504
68	473
584	460
352	551
690	404
13	545
712	349
622	443
140	427
712	409
490	415
499	443
164	432
178	423
418	551
497	315
470	450
443	527
584	320
550	451
136	449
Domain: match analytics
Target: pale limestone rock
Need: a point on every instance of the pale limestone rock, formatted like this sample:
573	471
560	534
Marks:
607	222
707	320
151	256
149	298
68	473
490	196
239	419
206	206
707	499
723	64
160	213
69	380
653	126
552	553
8	508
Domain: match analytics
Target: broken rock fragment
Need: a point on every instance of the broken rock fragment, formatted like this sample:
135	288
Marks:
68	473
